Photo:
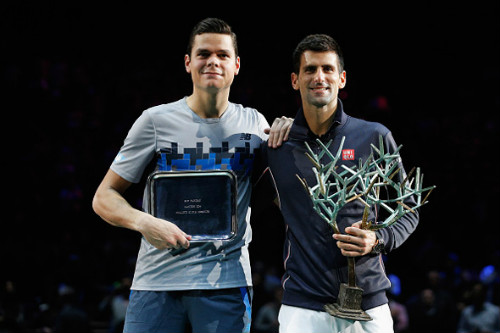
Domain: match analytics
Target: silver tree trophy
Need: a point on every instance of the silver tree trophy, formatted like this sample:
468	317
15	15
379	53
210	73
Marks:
335	188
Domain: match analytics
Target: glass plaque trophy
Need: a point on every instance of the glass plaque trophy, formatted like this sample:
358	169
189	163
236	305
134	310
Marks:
200	203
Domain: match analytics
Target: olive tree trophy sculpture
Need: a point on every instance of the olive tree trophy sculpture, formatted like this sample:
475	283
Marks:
335	188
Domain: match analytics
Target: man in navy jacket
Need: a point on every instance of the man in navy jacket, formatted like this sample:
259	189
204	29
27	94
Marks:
315	261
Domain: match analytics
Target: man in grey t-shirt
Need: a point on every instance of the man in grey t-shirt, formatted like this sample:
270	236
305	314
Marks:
207	285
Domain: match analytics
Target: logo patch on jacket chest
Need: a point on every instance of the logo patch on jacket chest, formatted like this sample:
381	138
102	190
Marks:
347	154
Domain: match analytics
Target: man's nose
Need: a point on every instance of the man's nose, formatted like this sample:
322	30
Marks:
319	76
213	60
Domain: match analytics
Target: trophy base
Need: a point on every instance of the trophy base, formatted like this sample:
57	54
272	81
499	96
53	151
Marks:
348	305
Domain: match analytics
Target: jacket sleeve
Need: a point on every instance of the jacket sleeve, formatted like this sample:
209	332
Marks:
396	234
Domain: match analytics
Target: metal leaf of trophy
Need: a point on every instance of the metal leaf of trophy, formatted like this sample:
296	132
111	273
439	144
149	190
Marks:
335	188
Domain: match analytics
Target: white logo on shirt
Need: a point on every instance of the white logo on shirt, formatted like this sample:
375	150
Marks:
119	157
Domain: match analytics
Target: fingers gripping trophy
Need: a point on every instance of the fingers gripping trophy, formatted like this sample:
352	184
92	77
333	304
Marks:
338	185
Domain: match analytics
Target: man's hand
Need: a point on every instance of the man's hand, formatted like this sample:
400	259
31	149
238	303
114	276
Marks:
357	242
163	234
279	131
112	207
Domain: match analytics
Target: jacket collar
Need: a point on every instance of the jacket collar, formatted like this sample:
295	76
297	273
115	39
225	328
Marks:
300	129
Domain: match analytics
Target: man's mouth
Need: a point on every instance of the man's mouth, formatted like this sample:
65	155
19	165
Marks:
320	88
212	73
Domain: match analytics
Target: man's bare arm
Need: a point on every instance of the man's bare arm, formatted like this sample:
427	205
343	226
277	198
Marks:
113	208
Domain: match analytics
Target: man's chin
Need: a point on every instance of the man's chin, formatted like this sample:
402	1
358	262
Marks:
213	89
321	102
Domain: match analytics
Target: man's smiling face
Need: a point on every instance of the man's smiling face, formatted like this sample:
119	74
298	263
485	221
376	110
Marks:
319	79
212	62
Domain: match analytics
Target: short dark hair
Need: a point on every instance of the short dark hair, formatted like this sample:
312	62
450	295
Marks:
211	25
317	43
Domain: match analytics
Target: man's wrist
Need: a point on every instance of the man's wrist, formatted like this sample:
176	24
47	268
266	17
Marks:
379	246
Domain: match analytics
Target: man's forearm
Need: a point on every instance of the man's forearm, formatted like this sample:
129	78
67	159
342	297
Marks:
112	207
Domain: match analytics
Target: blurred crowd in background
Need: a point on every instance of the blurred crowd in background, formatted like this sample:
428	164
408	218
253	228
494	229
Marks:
66	115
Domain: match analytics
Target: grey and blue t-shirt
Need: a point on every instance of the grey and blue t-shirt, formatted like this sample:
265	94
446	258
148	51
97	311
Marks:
179	139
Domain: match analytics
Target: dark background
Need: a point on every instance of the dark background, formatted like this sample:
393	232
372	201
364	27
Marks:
75	77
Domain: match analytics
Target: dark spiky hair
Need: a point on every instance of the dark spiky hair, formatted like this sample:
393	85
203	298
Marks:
211	25
317	43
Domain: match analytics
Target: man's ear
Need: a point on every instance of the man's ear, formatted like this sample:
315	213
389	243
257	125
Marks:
295	81
187	63
237	66
343	80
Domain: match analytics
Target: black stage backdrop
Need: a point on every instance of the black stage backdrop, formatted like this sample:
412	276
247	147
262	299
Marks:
75	76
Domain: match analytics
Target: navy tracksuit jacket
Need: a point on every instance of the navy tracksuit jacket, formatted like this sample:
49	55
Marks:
314	265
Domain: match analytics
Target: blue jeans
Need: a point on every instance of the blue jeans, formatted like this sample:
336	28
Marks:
207	311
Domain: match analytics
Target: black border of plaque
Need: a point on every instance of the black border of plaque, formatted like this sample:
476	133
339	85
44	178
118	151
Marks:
201	203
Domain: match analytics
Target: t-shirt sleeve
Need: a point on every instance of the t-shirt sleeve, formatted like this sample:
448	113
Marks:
137	151
263	124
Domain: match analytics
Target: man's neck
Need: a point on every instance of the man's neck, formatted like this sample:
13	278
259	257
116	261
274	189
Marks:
208	105
320	119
